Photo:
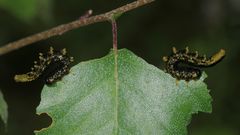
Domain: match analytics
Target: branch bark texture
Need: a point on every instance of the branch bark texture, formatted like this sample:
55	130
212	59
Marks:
61	29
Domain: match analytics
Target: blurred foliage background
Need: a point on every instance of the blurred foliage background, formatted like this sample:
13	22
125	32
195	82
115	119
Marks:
149	31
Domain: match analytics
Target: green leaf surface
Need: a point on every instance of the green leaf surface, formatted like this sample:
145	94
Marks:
139	99
3	109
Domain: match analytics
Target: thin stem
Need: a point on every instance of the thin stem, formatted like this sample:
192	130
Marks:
114	33
59	30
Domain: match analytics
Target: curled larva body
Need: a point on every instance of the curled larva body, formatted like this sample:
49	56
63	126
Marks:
51	67
185	65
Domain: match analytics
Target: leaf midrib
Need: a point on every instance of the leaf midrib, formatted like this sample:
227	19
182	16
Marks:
116	90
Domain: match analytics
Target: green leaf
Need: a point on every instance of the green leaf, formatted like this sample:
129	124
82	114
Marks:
139	100
3	109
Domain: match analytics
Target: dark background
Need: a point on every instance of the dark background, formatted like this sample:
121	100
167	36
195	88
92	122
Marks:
149	31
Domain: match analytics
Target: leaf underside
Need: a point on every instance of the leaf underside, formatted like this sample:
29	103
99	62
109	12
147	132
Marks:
3	109
147	100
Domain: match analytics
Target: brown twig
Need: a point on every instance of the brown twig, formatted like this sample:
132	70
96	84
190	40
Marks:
59	30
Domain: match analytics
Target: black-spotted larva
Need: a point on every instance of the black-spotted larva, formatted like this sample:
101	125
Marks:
51	66
185	65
